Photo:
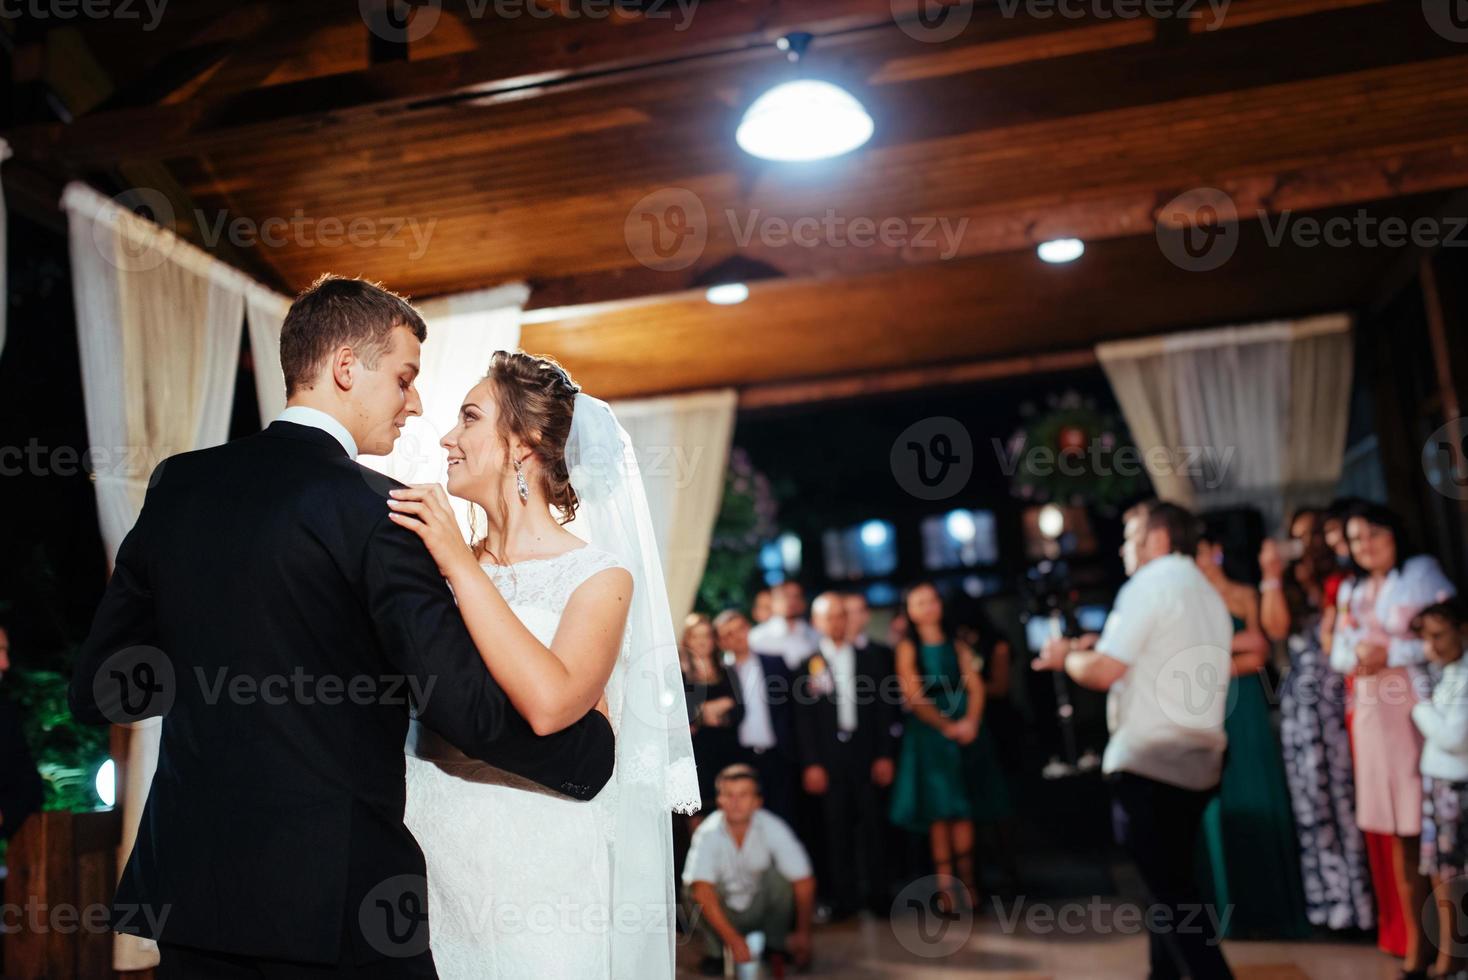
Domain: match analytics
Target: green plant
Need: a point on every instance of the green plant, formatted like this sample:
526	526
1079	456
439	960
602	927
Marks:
67	752
1074	453
746	520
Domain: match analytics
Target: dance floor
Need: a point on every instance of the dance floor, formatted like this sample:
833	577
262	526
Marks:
877	948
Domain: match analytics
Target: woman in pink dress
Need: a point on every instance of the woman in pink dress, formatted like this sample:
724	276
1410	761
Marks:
1375	643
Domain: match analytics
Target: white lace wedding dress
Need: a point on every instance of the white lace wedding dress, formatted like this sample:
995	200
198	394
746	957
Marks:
519	880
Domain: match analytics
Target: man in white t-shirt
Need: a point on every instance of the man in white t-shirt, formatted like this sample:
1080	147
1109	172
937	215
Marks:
746	872
1164	660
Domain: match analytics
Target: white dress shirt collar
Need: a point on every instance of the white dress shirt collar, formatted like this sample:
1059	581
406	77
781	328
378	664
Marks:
317	419
833	649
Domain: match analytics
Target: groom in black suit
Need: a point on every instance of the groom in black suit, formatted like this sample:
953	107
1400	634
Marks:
266	607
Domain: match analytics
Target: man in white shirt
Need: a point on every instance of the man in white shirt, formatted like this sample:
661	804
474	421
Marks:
1164	659
765	733
747	872
786	634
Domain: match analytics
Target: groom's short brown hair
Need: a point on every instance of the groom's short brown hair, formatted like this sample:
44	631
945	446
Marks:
338	312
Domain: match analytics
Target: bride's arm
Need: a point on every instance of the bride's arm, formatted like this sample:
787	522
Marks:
552	687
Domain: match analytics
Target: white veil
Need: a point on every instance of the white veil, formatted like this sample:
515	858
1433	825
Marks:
655	772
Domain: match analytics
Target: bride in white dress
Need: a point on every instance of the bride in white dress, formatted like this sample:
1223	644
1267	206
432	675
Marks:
522	882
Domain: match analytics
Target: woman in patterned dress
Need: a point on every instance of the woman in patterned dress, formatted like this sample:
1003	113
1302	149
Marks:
1316	745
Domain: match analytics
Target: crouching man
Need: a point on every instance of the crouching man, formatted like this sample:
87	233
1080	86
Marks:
746	872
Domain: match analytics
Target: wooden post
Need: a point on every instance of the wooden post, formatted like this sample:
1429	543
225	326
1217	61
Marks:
62	875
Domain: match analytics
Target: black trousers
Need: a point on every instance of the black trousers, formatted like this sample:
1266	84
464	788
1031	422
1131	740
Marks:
777	781
852	819
185	963
1157	824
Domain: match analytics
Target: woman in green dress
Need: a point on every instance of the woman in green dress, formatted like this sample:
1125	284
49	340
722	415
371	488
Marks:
1251	852
948	774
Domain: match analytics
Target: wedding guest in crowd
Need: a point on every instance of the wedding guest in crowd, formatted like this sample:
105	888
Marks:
1391	928
858	619
747	872
947	775
1004	722
1167	638
1443	722
898	852
1315	743
1374	642
766	734
843	725
760	610
1248	829
715	708
786	634
21	788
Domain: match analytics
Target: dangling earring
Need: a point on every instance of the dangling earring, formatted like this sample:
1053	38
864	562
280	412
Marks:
521	485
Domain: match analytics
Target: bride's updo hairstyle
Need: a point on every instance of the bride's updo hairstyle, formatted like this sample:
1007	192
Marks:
534	397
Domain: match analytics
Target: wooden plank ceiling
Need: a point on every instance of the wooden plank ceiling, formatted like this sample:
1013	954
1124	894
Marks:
528	148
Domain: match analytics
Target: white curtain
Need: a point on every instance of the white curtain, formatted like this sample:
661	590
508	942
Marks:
4	256
158	329
264	315
464	331
682	444
1239	416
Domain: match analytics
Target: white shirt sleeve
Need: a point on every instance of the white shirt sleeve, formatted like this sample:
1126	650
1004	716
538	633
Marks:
1420	584
702	861
1443	721
1127	626
789	855
1343	641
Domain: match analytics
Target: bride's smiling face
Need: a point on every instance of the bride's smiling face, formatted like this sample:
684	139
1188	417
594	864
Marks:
479	459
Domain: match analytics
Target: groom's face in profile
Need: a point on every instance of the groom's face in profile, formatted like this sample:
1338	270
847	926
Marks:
384	396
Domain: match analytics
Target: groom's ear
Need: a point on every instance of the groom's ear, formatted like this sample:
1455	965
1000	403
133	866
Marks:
342	365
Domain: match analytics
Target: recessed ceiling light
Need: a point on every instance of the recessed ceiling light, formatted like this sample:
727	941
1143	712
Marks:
727	294
1061	250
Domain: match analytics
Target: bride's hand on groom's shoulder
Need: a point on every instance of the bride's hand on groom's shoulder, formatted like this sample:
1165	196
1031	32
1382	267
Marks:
424	509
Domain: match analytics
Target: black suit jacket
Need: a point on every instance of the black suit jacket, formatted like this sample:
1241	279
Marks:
267	608
816	723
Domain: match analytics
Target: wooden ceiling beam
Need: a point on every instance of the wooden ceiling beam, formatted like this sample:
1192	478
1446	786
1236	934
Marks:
988	308
870	385
1022	225
526	57
527	52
